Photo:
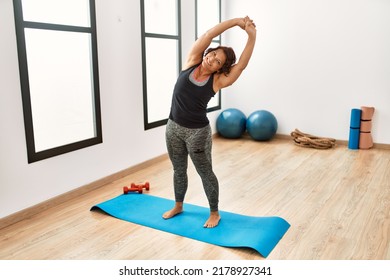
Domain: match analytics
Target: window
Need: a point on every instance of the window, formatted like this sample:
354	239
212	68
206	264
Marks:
161	52
208	14
161	57
58	67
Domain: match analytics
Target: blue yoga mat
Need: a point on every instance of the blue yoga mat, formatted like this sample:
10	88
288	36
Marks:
234	230
354	130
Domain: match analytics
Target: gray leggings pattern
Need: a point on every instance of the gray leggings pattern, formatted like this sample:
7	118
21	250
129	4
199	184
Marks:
196	143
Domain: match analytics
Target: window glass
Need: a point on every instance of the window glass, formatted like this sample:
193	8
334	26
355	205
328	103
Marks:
67	12
161	17
161	72
60	87
208	15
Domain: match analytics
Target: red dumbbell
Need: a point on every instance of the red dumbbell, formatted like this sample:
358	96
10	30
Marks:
136	188
126	189
145	186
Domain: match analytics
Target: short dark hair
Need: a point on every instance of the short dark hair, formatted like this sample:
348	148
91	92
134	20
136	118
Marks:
230	58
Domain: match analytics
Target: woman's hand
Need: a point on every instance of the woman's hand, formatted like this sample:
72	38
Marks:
249	26
241	22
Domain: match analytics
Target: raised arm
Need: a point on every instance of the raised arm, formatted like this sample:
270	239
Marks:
236	70
195	55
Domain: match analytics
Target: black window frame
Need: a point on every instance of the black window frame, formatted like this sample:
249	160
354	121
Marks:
20	25
144	36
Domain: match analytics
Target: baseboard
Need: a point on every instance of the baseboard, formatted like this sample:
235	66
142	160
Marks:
31	211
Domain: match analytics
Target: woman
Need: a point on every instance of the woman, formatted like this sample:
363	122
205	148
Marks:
188	131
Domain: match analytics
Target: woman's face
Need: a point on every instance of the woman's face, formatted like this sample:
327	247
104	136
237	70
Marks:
214	60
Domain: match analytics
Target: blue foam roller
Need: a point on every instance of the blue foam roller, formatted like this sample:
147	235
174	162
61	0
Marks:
354	135
355	118
354	129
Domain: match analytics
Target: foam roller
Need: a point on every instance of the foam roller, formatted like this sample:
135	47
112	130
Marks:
354	129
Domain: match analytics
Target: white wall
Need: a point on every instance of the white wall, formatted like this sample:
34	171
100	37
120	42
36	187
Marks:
314	61
125	143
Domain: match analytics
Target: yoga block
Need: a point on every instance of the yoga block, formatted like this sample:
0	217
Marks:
365	141
365	126
367	113
365	137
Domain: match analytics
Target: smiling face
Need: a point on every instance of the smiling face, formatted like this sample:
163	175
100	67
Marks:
219	60
214	60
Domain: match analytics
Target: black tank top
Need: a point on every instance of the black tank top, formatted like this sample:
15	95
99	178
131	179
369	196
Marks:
189	101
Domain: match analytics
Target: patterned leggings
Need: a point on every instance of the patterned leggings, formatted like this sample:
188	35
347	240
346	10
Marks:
181	142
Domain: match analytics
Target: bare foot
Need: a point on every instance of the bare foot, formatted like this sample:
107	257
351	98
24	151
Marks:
177	209
213	220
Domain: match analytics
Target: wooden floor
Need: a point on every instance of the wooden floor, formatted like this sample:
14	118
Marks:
337	202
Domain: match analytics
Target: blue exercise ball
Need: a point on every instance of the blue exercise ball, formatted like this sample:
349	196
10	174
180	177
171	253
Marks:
261	125
231	123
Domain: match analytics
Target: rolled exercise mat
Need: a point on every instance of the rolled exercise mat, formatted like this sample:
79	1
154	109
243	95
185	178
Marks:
365	137
354	129
234	230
